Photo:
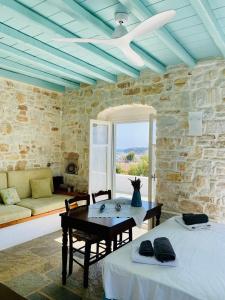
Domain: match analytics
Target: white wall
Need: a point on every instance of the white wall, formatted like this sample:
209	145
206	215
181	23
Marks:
23	232
123	184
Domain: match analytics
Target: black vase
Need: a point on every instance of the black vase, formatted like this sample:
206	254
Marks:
136	199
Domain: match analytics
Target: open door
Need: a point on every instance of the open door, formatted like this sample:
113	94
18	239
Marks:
152	180
100	158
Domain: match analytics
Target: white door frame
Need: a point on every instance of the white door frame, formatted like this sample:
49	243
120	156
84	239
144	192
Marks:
152	162
109	150
113	169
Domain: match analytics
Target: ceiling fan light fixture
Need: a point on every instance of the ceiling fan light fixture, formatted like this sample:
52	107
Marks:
119	31
121	17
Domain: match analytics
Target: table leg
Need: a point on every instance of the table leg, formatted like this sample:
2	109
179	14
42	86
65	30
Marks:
108	246
130	235
115	243
64	253
153	222
158	217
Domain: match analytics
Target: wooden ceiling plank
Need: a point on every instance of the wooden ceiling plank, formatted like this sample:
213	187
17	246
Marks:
16	67
46	65
47	24
103	28
210	22
62	57
142	13
31	80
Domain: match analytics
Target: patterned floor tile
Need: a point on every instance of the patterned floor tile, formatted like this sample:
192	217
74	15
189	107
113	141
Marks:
27	283
33	270
60	292
38	296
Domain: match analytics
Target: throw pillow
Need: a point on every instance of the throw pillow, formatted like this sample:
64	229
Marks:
9	196
41	188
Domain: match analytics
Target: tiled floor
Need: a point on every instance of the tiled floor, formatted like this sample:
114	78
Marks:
33	270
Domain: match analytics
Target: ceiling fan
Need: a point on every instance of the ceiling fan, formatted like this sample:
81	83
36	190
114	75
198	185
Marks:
121	38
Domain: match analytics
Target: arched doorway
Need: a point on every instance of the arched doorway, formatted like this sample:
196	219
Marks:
104	149
127	112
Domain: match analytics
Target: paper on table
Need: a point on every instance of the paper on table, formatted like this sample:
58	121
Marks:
150	260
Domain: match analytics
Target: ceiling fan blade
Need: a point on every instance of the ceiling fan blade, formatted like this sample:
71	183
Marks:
112	42
132	55
150	24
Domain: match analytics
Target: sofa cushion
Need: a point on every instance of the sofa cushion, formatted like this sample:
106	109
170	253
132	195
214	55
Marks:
3	182
13	212
41	188
21	180
9	196
42	205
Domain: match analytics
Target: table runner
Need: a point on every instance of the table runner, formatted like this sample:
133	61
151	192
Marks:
127	211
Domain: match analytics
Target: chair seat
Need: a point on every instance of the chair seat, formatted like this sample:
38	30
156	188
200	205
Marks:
83	236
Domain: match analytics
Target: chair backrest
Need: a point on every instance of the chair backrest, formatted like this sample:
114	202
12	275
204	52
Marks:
72	203
100	194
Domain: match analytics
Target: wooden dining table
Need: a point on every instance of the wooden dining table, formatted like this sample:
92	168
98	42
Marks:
106	228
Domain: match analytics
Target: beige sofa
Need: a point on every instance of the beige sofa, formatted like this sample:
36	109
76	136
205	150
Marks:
28	206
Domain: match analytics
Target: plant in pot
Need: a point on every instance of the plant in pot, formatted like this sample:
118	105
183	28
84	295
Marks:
136	198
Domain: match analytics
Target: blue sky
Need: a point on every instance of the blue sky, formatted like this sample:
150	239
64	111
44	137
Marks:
132	135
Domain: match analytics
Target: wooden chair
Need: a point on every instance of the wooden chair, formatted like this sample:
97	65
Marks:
129	235
90	257
100	194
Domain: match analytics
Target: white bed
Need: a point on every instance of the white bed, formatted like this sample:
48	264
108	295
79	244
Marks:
199	274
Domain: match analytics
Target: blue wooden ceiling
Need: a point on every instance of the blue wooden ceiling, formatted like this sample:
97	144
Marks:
29	54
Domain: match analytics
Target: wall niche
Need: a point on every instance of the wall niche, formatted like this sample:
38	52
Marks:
71	163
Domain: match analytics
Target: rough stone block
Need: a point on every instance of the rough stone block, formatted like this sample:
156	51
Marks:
180	82
152	89
4	147
185	205
124	85
132	91
21	165
176	177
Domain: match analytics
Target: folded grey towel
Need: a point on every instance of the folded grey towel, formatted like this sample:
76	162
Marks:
146	248
163	249
191	219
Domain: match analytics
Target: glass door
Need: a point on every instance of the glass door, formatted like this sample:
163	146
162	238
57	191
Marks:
100	156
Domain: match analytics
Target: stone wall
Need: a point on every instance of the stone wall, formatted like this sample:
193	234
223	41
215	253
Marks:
190	170
30	133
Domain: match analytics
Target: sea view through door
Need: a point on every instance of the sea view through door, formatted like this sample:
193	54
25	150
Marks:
131	142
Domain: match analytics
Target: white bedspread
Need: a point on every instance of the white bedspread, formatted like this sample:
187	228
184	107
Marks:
200	273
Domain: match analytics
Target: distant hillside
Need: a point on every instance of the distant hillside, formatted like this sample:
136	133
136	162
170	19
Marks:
138	150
